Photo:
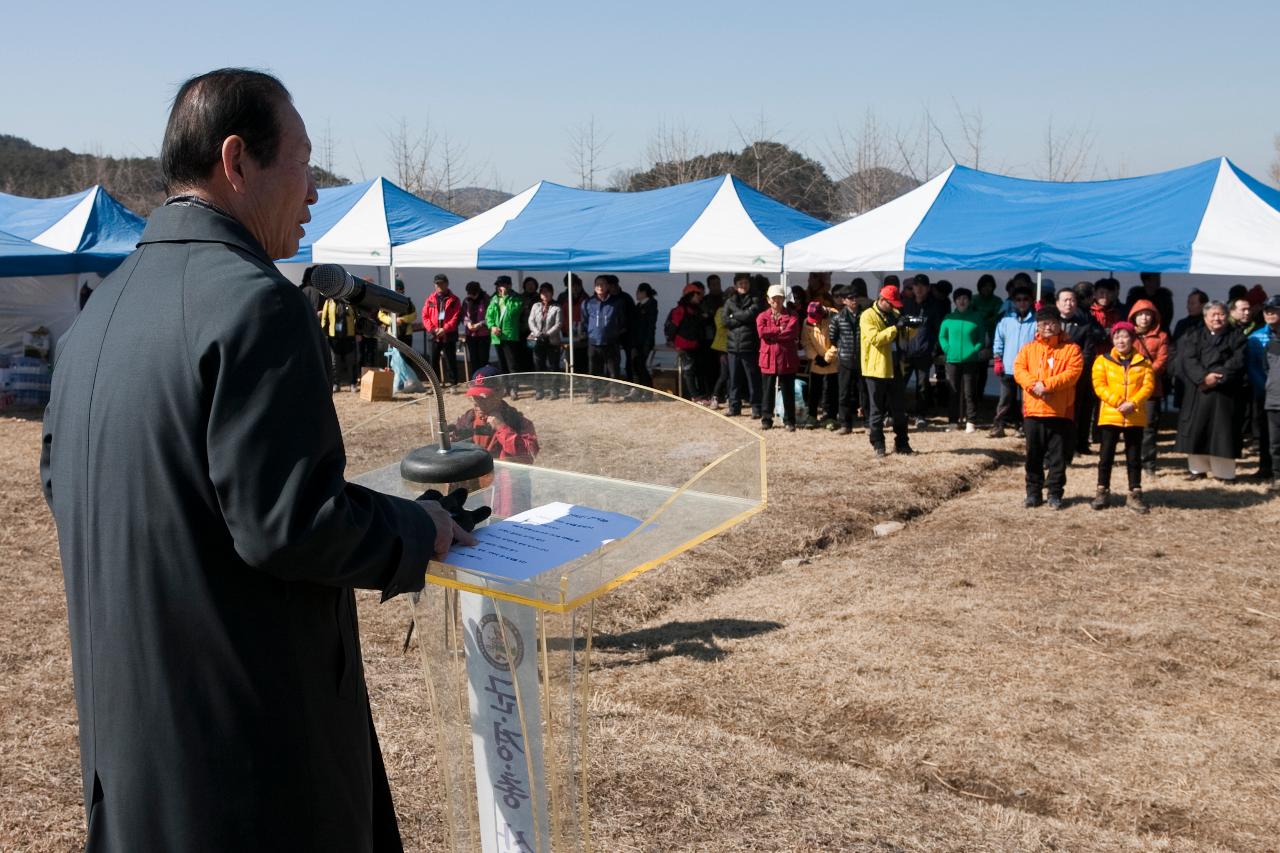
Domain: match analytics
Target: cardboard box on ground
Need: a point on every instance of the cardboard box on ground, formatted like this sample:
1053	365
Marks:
375	385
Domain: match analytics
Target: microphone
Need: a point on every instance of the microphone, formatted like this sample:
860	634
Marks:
334	282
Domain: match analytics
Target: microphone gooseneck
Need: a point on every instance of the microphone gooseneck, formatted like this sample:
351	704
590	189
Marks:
444	462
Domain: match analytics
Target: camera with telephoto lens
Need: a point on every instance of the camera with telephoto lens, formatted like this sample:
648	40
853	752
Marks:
910	321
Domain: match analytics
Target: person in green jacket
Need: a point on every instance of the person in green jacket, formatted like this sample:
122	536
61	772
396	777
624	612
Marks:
963	340
990	306
503	319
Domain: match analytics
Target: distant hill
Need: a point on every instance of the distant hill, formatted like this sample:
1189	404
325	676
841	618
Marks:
468	201
868	189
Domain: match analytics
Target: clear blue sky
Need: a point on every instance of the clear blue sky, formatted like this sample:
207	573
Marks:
1160	84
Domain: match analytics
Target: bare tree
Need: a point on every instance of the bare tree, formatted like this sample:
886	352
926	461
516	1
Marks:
678	153
586	147
411	154
323	155
1275	164
862	164
919	147
972	131
1067	155
452	172
770	173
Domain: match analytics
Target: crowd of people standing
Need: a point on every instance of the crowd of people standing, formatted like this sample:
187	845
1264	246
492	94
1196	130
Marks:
1076	369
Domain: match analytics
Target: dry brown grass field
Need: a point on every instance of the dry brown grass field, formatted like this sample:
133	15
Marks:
988	678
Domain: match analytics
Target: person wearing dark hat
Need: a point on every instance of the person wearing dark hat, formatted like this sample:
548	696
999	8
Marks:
1210	423
846	336
742	345
503	319
1123	380
441	314
1048	369
962	338
474	327
1016	329
1262	357
880	329
921	350
642	336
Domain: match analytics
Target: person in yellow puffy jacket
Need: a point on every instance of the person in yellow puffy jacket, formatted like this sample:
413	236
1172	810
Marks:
822	365
1123	379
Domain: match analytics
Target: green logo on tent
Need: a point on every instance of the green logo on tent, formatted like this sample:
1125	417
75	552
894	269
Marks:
758	260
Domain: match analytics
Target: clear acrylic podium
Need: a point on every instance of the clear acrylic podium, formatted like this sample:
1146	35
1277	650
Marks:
506	655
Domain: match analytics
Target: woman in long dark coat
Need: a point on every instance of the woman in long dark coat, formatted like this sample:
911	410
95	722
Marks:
1210	424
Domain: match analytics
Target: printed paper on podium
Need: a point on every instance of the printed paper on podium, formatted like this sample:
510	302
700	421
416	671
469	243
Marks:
539	539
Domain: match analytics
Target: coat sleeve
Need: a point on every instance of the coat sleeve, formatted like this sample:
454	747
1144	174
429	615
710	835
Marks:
1256	362
452	314
276	459
1160	358
766	328
1022	369
1191	366
1101	386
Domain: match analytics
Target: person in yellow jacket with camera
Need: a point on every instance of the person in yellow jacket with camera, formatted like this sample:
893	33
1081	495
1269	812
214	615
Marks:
1123	379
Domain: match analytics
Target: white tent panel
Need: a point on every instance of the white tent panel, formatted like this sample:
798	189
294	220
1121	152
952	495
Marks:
876	240
458	246
360	237
1240	233
66	234
26	303
724	237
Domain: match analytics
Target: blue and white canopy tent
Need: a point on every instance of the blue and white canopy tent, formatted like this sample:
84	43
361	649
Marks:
50	246
93	230
1207	218
715	224
364	224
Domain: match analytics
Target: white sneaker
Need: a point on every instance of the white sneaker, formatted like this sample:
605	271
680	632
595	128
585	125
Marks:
969	427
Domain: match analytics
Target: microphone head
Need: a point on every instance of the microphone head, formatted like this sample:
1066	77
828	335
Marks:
332	281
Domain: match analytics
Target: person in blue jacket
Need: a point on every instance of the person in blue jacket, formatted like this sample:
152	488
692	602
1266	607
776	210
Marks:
1014	331
605	318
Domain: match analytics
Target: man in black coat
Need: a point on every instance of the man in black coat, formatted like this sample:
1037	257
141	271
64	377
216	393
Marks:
1211	360
1081	329
742	341
193	462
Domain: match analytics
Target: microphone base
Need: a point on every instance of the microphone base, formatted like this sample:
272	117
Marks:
458	463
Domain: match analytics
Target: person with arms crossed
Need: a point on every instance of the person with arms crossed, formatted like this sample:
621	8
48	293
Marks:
209	540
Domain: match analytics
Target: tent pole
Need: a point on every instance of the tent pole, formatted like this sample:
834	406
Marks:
1038	279
568	304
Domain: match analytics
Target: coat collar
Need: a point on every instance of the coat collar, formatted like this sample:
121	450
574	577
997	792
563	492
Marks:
179	223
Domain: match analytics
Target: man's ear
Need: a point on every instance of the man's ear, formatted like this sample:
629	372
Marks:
234	153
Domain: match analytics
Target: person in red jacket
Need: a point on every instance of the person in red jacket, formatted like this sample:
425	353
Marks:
1152	341
440	314
684	331
779	330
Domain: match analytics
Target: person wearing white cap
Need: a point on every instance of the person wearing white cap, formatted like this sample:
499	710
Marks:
779	330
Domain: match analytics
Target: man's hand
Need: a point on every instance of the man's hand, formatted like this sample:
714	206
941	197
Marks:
1038	389
448	531
1212	379
496	422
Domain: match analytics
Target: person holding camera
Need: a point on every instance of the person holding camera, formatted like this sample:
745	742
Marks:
882	328
544	336
822	353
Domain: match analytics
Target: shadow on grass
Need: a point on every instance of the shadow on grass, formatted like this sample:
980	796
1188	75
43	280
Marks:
695	640
24	413
1209	497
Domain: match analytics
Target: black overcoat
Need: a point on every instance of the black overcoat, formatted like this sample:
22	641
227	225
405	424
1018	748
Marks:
1211	420
194	465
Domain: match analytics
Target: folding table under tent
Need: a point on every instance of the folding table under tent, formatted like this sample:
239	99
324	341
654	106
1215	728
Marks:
91	227
364	224
1211	217
714	224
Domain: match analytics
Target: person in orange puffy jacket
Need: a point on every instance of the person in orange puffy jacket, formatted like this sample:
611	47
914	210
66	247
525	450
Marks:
1048	369
779	330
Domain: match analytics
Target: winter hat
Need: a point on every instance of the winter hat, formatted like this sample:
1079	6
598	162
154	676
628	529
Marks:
1124	326
690	288
858	287
1272	304
816	312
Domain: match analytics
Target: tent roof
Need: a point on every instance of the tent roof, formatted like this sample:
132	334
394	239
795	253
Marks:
716	223
362	223
1207	218
94	229
19	257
